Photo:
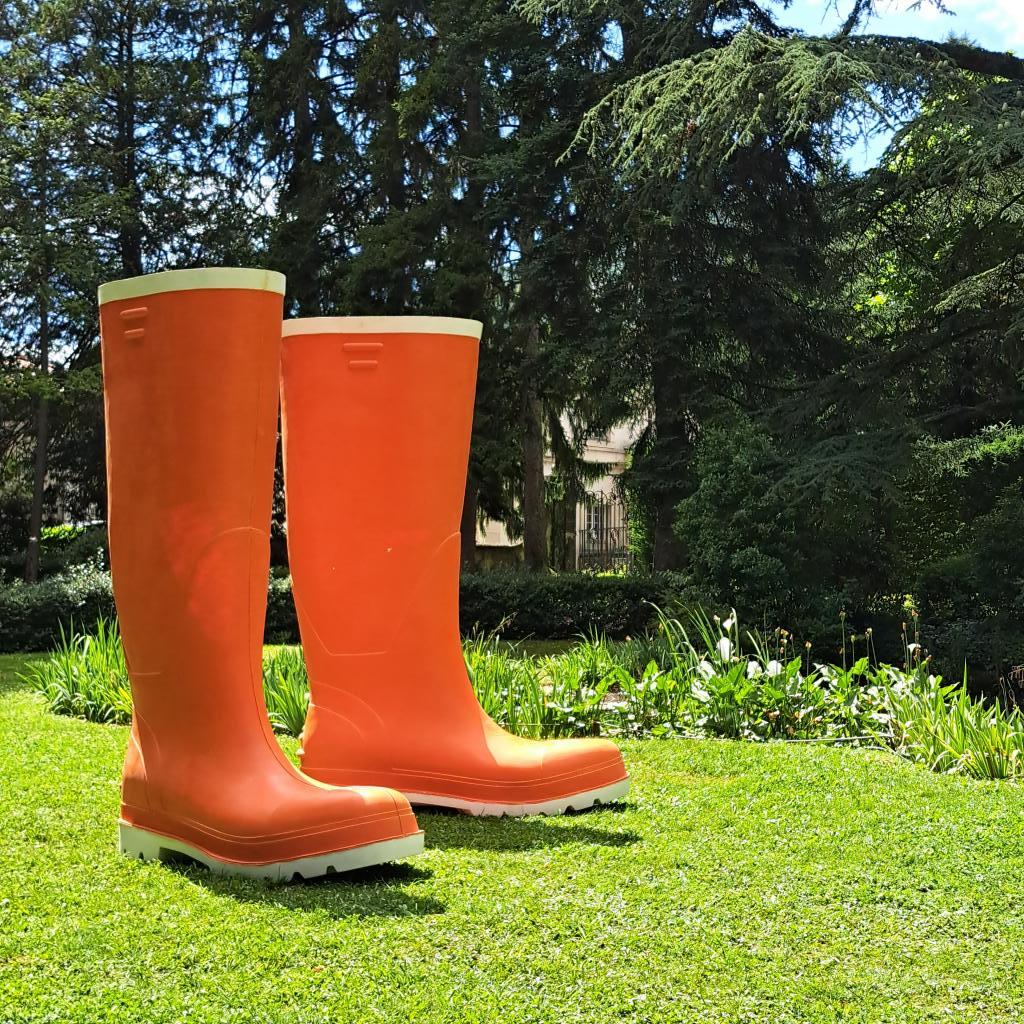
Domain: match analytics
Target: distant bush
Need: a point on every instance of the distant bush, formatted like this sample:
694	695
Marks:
281	626
62	547
67	547
523	605
562	606
33	617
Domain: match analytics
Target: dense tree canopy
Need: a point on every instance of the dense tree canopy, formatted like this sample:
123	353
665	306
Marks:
648	204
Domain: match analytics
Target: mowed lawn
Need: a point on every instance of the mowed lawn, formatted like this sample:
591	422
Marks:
741	883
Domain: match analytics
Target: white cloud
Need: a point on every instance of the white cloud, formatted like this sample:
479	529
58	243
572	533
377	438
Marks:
1004	17
997	24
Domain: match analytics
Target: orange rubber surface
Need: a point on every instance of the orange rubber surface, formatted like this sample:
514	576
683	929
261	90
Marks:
191	393
376	446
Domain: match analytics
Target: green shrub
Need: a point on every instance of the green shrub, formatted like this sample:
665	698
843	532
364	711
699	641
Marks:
59	537
72	546
522	605
36	616
63	547
281	625
552	607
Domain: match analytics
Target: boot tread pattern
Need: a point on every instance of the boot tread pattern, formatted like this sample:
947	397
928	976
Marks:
140	844
547	808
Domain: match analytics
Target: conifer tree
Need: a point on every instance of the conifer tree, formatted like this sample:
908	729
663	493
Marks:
108	106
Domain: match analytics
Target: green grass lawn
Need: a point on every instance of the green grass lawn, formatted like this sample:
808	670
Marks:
741	883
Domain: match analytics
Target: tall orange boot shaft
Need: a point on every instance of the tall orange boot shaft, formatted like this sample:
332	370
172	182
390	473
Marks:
190	366
377	415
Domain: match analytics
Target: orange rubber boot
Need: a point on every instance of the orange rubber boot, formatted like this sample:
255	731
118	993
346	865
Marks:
377	419
190	366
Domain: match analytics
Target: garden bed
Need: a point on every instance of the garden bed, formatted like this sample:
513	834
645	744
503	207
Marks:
721	683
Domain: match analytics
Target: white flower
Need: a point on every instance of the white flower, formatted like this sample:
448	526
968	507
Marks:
725	648
706	669
728	624
913	647
773	668
753	669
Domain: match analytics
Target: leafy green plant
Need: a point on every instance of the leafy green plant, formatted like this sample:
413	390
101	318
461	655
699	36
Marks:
577	685
286	689
941	726
61	535
86	676
507	685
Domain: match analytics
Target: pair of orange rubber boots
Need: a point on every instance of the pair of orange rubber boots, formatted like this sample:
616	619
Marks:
377	414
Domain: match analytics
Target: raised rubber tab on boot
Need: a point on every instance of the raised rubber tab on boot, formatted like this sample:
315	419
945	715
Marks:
382	325
363	346
189	280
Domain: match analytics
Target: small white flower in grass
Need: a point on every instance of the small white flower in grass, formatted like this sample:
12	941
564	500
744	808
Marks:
729	622
725	647
706	669
913	647
774	668
753	669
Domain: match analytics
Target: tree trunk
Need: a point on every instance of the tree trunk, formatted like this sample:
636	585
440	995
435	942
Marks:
125	165
671	434
35	519
474	298
667	553
535	527
392	146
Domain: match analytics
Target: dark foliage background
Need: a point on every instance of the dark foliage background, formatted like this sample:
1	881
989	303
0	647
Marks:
648	206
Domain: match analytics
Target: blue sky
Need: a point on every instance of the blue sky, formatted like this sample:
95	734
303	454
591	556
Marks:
993	24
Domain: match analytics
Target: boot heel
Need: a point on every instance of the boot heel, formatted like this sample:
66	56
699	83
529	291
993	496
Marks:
139	844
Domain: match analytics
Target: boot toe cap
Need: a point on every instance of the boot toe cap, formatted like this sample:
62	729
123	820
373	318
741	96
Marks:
597	762
353	815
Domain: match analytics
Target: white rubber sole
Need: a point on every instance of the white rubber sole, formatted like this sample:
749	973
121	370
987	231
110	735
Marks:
142	845
576	802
